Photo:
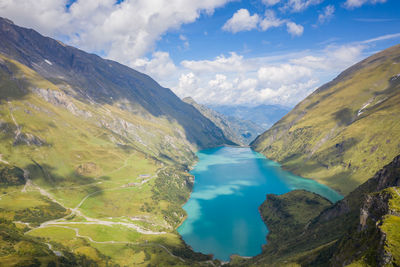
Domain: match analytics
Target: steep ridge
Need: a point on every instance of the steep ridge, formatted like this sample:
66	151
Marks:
361	229
346	130
239	131
89	78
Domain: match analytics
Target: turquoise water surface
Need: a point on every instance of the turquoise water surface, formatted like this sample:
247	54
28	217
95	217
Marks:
230	184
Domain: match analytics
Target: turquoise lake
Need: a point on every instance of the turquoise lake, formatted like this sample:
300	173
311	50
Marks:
230	184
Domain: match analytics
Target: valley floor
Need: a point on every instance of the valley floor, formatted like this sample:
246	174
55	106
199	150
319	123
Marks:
112	221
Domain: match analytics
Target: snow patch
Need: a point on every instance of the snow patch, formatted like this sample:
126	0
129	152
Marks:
361	111
48	62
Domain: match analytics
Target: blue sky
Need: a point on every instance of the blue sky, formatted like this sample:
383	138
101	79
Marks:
345	26
221	51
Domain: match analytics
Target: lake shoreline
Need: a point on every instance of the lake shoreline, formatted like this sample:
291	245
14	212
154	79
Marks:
230	183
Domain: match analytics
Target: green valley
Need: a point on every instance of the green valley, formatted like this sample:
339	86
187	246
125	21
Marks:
88	181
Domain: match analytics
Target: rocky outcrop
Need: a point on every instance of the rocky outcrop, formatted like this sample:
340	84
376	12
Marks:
28	139
59	98
369	242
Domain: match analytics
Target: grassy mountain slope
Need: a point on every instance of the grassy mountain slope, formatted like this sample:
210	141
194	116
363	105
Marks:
241	132
346	130
89	78
93	163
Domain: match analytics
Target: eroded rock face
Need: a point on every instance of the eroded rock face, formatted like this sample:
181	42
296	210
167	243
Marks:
59	98
368	240
28	139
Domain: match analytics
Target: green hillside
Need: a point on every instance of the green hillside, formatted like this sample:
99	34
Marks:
88	178
346	130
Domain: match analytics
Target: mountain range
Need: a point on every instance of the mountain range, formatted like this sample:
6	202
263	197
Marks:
240	131
262	115
94	161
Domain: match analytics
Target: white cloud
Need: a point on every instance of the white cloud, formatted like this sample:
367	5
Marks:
187	85
283	80
345	54
220	64
282	74
332	58
270	21
327	14
350	4
294	29
160	66
381	38
299	5
123	32
271	2
241	21
185	41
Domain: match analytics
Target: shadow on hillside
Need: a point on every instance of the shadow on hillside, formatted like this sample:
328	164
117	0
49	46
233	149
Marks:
10	87
47	174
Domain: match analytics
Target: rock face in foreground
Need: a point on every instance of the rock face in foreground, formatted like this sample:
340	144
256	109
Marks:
363	228
346	130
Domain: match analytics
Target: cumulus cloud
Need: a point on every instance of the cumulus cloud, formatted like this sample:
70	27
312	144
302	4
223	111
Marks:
350	4
160	66
294	29
282	74
123	32
283	80
327	14
241	21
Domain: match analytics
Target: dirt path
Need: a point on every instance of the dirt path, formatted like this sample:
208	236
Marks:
76	211
2	160
93	221
76	230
